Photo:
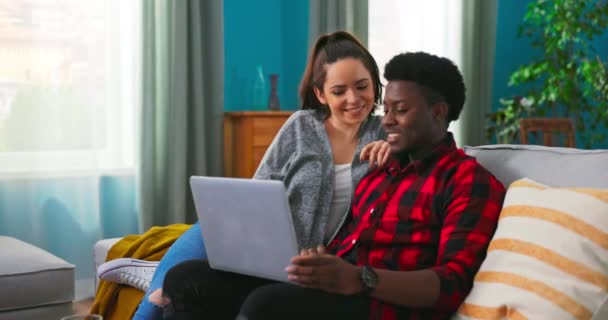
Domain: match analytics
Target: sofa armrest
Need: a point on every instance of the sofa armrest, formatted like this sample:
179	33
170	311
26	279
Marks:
100	252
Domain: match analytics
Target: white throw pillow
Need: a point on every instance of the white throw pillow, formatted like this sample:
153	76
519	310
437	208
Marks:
548	258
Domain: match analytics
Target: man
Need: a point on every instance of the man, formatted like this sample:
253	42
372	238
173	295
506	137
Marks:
418	229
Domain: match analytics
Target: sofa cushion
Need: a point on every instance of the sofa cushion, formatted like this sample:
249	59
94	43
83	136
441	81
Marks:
100	253
30	276
561	167
547	259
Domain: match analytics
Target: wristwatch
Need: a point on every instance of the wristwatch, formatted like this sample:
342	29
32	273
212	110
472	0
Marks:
369	280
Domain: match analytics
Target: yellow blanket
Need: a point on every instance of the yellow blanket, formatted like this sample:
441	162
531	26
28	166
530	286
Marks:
116	302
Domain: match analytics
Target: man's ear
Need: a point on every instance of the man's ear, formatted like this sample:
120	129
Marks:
440	111
320	95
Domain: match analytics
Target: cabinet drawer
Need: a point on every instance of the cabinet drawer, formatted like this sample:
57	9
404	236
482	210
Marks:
264	130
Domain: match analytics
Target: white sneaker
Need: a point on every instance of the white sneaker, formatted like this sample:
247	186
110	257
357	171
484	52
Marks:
132	272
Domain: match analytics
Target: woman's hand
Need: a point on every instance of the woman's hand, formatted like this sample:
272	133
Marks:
376	152
314	268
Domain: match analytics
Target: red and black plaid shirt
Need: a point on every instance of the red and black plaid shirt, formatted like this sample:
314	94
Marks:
437	213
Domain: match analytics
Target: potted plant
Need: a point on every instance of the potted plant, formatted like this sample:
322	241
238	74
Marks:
504	123
568	79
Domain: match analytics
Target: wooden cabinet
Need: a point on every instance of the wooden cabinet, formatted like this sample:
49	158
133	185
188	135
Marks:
247	135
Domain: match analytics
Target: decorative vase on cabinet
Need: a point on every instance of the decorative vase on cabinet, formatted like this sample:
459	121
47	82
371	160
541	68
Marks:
273	101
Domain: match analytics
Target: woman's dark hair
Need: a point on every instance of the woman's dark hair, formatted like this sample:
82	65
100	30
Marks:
439	78
328	49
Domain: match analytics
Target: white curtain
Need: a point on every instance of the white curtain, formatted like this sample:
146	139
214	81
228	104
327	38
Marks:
69	95
462	31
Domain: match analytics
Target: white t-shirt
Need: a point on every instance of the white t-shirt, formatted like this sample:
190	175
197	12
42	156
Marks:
341	200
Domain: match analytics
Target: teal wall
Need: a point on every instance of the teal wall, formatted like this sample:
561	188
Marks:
268	33
511	51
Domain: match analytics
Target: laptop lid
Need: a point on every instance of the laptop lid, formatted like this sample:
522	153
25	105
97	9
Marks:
246	225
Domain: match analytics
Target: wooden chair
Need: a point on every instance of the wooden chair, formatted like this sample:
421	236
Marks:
547	127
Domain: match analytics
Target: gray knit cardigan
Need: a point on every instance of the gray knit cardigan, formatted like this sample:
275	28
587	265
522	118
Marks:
300	156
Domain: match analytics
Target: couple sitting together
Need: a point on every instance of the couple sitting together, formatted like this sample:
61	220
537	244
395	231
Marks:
400	239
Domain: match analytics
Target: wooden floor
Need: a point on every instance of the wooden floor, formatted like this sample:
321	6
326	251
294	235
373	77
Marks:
82	306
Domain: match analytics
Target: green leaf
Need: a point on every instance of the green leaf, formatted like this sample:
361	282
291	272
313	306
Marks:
568	77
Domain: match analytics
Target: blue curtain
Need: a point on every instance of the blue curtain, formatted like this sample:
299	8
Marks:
67	215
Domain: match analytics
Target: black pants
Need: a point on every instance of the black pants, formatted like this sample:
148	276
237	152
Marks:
199	292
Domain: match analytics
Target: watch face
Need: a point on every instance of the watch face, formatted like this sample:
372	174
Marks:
369	277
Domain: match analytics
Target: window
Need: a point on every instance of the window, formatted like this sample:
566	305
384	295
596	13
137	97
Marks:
69	84
433	26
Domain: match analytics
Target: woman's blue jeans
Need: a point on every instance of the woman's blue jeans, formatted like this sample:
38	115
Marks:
188	246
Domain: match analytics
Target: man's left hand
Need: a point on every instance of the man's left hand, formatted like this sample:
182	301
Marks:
327	272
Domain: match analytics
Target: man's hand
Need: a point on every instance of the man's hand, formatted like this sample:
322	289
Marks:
314	268
376	152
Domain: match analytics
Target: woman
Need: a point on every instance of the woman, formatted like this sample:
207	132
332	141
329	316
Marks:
330	137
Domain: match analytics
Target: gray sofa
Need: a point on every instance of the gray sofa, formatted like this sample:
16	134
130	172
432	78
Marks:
558	167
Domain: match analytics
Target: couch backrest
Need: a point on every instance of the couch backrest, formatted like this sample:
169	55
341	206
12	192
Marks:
556	167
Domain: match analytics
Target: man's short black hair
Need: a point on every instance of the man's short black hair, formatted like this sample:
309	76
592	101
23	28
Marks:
439	78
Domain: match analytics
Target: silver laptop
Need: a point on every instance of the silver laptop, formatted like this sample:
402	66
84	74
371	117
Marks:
246	225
